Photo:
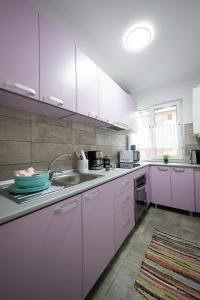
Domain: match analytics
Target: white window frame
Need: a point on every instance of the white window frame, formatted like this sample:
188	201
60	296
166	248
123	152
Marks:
178	104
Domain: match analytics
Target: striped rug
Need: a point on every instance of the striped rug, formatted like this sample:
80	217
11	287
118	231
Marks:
170	270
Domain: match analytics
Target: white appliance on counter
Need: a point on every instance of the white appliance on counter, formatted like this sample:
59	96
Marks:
128	158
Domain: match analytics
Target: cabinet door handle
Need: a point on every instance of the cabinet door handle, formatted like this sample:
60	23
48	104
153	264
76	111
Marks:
53	100
126	199
103	119
65	209
93	115
179	170
122	124
138	189
125	183
127	222
91	196
18	86
162	169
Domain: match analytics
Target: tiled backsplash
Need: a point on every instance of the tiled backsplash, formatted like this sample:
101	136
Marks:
190	141
28	139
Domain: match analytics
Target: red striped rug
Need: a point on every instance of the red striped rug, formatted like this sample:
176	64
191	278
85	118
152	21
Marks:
170	270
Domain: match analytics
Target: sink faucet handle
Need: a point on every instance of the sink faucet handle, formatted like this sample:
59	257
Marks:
52	174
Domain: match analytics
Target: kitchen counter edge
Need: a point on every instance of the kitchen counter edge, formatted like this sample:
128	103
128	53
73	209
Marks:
9	210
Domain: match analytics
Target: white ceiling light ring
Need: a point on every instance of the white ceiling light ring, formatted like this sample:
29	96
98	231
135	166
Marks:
138	37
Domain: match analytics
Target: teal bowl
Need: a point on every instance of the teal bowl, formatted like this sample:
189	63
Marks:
39	180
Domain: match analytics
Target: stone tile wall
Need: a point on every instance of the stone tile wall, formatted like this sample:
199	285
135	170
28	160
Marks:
190	141
28	139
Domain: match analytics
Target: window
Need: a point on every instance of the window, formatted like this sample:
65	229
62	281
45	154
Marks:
159	131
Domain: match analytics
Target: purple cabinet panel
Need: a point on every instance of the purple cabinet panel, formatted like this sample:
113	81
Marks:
124	216
161	185
115	105
148	185
87	85
41	254
197	189
98	233
57	66
123	183
108	95
129	114
19	48
182	181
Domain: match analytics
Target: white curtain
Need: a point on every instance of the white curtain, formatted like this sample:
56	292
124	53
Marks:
144	138
166	136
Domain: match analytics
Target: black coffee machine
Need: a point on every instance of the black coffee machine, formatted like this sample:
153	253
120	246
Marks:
95	159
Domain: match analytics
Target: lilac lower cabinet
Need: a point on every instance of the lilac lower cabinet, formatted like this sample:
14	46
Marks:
182	181
41	254
98	232
160	185
197	189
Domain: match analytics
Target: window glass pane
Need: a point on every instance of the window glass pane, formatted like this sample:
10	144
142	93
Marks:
144	143
166	131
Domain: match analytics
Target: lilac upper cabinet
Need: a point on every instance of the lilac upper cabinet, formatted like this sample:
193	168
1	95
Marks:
19	48
98	233
57	66
128	118
182	181
160	185
122	107
115	105
87	85
108	94
41	254
197	188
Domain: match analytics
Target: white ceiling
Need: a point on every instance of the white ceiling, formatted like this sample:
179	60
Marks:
97	26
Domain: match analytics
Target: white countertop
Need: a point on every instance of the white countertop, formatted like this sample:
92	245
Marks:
172	164
10	210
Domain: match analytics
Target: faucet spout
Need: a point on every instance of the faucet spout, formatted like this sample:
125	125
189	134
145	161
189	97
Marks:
68	155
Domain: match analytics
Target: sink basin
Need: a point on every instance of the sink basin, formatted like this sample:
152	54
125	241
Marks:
71	179
57	183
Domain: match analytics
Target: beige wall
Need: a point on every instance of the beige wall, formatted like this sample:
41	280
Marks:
28	139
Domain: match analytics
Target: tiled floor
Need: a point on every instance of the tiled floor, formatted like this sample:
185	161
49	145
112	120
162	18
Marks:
117	281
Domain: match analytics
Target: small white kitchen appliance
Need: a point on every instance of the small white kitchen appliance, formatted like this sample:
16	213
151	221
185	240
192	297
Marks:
128	158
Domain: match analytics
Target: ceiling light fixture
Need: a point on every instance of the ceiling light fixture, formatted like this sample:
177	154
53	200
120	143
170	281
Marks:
138	37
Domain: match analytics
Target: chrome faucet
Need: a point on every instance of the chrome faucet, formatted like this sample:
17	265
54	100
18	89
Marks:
51	173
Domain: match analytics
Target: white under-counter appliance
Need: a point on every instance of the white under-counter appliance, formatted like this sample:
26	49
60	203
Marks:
140	196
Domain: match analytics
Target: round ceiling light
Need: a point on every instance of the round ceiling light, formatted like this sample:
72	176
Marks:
138	37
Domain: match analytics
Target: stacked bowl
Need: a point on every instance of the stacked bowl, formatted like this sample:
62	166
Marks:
30	184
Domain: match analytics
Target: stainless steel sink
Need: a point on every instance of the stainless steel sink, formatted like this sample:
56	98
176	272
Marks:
71	179
59	182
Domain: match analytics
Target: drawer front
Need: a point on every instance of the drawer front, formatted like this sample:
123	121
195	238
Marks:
123	200
123	183
123	226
